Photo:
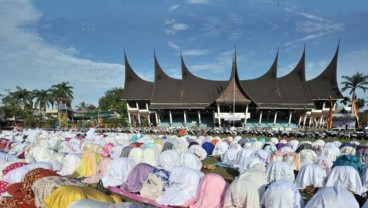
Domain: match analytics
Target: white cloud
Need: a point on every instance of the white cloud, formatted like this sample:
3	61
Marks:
173	7
169	32
195	52
173	45
180	26
313	27
174	26
221	63
170	21
198	1
30	62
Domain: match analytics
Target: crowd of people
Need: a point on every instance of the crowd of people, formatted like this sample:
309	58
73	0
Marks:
77	169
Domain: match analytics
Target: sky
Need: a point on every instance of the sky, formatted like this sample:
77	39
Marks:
82	42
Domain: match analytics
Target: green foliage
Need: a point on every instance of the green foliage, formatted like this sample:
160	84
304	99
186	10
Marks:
355	82
111	101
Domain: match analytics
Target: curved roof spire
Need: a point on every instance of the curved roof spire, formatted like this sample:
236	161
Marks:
166	91
135	88
199	92
293	87
234	91
325	84
264	90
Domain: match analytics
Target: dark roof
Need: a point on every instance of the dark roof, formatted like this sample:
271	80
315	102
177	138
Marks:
234	92
264	90
267	91
325	84
199	92
293	87
135	88
166	91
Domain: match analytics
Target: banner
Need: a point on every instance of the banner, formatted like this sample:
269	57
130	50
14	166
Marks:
232	117
343	121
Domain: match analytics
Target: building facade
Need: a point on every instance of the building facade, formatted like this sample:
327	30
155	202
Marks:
265	102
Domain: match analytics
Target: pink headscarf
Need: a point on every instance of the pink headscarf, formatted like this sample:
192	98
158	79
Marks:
211	192
106	149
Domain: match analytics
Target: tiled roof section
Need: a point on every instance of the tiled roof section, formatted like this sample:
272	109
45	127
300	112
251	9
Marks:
135	88
198	91
293	87
325	84
264	90
166	90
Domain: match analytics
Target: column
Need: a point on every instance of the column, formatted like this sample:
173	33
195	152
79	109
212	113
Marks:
129	118
139	118
199	118
321	120
246	113
170	116
300	120
290	115
146	106
156	118
305	119
136	105
185	116
323	106
275	118
260	118
218	115
149	119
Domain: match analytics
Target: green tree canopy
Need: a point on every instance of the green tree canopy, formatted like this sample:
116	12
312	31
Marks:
111	101
62	93
355	82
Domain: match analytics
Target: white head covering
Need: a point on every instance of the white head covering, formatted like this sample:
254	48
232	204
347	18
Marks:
188	159
150	156
117	172
184	186
282	193
70	163
346	177
18	174
168	158
115	152
136	154
231	153
310	175
199	151
278	170
220	148
333	197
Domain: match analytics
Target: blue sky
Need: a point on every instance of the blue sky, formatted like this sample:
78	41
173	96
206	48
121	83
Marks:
82	41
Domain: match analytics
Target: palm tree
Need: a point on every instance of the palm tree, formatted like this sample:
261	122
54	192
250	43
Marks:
355	82
62	93
23	97
42	100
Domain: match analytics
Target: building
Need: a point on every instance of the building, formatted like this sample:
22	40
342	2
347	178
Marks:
267	101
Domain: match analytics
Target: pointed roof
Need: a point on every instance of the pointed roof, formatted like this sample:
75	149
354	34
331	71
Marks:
325	84
293	87
135	88
264	90
167	92
233	92
199	92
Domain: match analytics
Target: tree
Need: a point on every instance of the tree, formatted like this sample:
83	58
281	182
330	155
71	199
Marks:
43	98
112	102
22	97
355	82
62	93
360	103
